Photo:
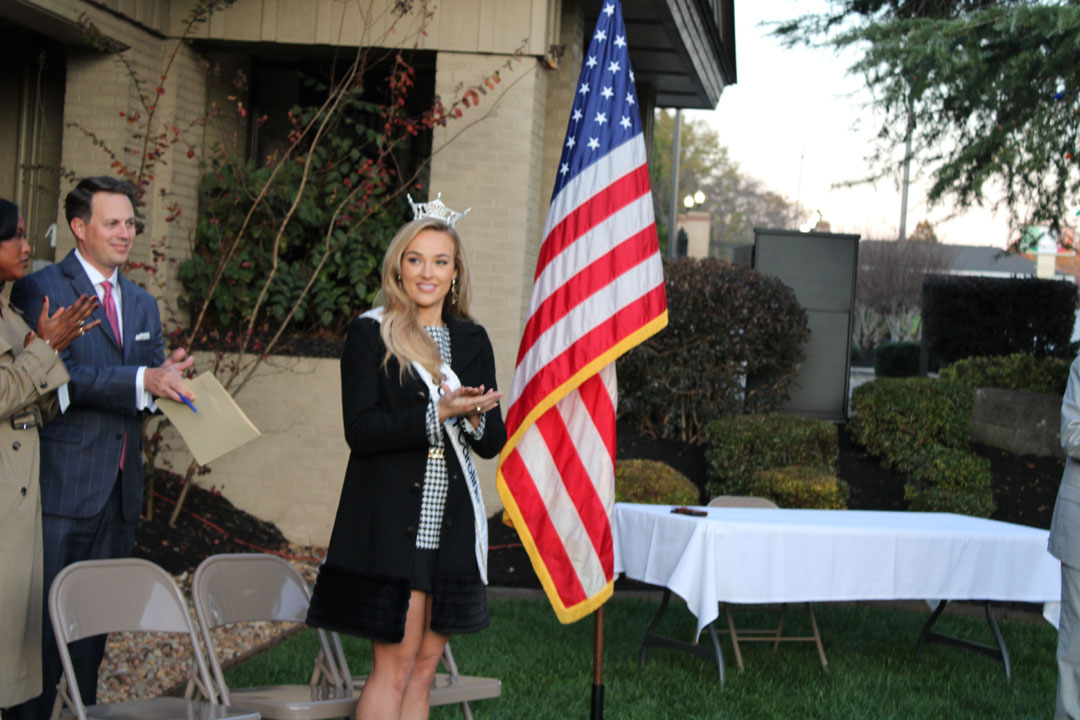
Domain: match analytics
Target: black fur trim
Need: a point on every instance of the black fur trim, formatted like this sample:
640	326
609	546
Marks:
371	606
459	605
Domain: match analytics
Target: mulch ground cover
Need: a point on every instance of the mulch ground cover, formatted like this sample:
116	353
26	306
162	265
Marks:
1024	486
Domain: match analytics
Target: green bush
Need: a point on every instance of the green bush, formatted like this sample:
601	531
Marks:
799	486
733	344
1019	371
950	480
857	353
967	316
897	417
649	481
896	359
344	287
739	446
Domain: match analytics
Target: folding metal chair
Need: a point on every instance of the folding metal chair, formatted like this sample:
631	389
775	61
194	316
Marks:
250	587
449	688
95	597
774	635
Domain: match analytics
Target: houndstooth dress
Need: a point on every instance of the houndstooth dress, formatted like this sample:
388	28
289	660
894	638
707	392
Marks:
436	478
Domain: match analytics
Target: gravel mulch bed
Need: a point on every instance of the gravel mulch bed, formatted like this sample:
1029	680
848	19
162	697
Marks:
141	665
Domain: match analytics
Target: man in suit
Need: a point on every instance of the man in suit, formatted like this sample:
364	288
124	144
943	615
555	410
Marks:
91	453
1065	545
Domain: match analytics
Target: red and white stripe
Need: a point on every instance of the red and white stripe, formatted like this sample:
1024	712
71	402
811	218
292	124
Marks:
598	290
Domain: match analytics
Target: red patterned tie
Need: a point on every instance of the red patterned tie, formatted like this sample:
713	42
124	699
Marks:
114	323
110	312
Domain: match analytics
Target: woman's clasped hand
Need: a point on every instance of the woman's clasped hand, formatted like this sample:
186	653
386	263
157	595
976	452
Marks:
66	324
472	402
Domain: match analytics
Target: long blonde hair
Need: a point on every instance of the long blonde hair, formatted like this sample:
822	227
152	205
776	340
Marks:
404	336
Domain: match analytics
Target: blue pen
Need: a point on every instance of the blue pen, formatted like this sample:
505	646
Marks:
188	403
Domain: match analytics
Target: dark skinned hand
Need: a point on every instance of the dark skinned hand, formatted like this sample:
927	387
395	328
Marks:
66	324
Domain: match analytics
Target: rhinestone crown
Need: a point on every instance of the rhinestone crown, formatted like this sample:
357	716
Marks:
436	209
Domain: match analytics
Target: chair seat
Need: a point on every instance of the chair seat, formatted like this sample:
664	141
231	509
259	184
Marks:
296	702
448	691
165	708
463	688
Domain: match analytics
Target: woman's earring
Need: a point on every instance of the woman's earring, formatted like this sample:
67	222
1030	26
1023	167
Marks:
453	292
399	279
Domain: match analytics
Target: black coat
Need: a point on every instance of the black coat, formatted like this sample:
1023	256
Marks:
363	587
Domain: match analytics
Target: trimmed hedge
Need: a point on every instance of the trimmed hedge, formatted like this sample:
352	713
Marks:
799	486
733	344
950	480
740	446
897	417
650	481
896	359
1018	371
966	316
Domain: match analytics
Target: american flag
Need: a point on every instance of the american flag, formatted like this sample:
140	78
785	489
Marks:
597	292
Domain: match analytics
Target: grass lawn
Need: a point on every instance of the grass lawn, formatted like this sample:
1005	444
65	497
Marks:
546	668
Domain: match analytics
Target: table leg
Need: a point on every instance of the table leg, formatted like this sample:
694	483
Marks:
651	639
1001	652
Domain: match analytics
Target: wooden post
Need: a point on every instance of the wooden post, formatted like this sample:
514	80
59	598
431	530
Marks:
598	667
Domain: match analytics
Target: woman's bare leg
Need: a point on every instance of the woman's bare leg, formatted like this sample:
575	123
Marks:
392	666
416	702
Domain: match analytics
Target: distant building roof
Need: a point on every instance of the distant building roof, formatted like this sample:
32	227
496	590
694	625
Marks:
988	260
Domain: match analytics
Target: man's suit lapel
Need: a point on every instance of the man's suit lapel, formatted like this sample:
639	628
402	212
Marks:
81	285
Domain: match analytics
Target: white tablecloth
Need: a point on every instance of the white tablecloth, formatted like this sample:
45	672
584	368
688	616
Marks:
752	555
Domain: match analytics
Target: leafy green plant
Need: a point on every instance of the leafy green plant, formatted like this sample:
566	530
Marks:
895	418
733	345
896	359
650	481
1018	371
950	480
348	281
739	446
800	486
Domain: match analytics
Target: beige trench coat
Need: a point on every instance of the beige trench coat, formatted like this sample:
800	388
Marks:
28	381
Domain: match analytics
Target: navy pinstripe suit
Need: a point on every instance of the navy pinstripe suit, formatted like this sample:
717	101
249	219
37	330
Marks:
86	512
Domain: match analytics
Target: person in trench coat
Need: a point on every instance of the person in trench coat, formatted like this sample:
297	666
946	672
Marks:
406	565
30	373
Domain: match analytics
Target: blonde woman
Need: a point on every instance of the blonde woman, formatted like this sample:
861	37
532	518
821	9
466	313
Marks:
406	566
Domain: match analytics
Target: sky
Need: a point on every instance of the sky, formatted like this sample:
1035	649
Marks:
796	121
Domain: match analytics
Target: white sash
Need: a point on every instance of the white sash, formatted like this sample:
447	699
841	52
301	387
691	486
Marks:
464	459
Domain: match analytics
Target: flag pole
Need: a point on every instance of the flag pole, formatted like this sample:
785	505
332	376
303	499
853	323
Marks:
598	666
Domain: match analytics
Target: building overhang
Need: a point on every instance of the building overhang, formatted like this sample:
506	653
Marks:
684	49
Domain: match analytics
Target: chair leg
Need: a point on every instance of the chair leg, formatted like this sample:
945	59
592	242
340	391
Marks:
466	711
817	636
779	626
734	636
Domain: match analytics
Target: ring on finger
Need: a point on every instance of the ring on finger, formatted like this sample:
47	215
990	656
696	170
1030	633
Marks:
478	409
82	322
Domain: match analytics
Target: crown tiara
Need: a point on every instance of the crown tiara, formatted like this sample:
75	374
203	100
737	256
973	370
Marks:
436	209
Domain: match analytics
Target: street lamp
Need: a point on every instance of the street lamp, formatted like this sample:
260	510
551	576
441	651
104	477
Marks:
690	201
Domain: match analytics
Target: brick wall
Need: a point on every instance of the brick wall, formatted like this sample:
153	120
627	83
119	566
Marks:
292	474
98	88
490	159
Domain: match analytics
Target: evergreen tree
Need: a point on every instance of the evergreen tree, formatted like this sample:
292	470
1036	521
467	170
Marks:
989	90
